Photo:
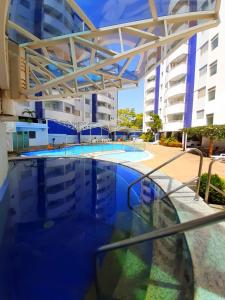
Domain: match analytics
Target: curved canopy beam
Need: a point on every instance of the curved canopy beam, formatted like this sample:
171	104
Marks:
93	58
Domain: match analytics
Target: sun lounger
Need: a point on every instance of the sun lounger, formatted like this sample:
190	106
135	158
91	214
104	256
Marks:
219	157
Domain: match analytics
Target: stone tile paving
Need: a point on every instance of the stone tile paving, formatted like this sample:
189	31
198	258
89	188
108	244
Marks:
182	169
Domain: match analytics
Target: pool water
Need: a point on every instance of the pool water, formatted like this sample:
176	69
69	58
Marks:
57	212
132	153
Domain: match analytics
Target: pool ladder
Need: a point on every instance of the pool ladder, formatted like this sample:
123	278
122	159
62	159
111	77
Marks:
171	230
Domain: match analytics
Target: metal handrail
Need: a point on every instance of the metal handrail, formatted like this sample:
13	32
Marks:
166	163
164	232
209	184
179	187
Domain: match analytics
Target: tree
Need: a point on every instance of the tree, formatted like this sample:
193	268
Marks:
128	118
213	132
138	122
28	112
155	123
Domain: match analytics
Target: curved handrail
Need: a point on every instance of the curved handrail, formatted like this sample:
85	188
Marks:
164	232
166	163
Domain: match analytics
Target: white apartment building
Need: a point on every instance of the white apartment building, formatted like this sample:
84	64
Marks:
100	108
187	88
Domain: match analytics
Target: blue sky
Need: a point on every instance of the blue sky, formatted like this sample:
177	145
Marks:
132	98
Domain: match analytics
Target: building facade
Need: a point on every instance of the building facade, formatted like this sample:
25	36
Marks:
48	19
187	89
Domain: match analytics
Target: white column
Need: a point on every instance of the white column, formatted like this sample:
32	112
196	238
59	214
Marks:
3	155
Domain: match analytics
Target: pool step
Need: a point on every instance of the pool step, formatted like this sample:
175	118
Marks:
124	273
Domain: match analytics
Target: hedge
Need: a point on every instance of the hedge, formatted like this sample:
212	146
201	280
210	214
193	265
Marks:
214	196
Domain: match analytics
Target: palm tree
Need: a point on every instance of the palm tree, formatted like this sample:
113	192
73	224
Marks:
28	112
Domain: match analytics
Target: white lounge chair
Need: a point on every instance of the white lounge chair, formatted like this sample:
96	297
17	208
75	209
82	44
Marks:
219	157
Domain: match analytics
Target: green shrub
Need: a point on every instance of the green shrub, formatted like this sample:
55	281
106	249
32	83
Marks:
170	142
214	196
148	136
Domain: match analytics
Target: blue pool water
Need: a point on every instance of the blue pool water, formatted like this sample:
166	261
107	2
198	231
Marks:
132	153
55	215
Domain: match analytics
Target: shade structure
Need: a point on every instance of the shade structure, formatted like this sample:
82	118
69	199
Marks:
77	47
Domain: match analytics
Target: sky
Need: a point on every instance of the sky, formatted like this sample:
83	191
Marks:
132	98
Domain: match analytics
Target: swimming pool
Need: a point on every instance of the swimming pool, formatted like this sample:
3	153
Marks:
58	211
130	153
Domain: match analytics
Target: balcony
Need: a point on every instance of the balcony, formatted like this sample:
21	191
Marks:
104	98
177	90
59	7
150	96
151	61
104	110
149	107
55	25
180	53
150	84
173	126
175	108
177	72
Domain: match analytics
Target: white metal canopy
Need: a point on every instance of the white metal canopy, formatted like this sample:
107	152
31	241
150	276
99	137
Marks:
96	59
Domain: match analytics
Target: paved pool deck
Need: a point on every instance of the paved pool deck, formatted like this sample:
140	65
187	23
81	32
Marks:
184	168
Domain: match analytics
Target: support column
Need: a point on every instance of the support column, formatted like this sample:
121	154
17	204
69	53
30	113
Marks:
4	74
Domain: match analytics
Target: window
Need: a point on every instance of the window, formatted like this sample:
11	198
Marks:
214	42
205	5
212	93
87	101
203	71
204	48
213	68
67	110
76	112
32	134
202	92
209	119
87	115
25	3
200	114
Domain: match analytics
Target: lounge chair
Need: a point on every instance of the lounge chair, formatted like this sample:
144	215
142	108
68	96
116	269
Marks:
219	157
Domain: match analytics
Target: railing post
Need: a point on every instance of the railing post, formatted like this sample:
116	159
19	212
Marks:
208	181
199	178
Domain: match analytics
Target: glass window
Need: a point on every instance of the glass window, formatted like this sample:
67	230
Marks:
200	114
87	101
213	68
214	42
87	115
25	3
202	92
212	93
67	109
204	48
203	71
209	119
205	5
76	112
32	134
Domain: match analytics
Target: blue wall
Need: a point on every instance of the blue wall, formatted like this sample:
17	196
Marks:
157	83
190	72
39	109
190	81
95	131
57	128
94	108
